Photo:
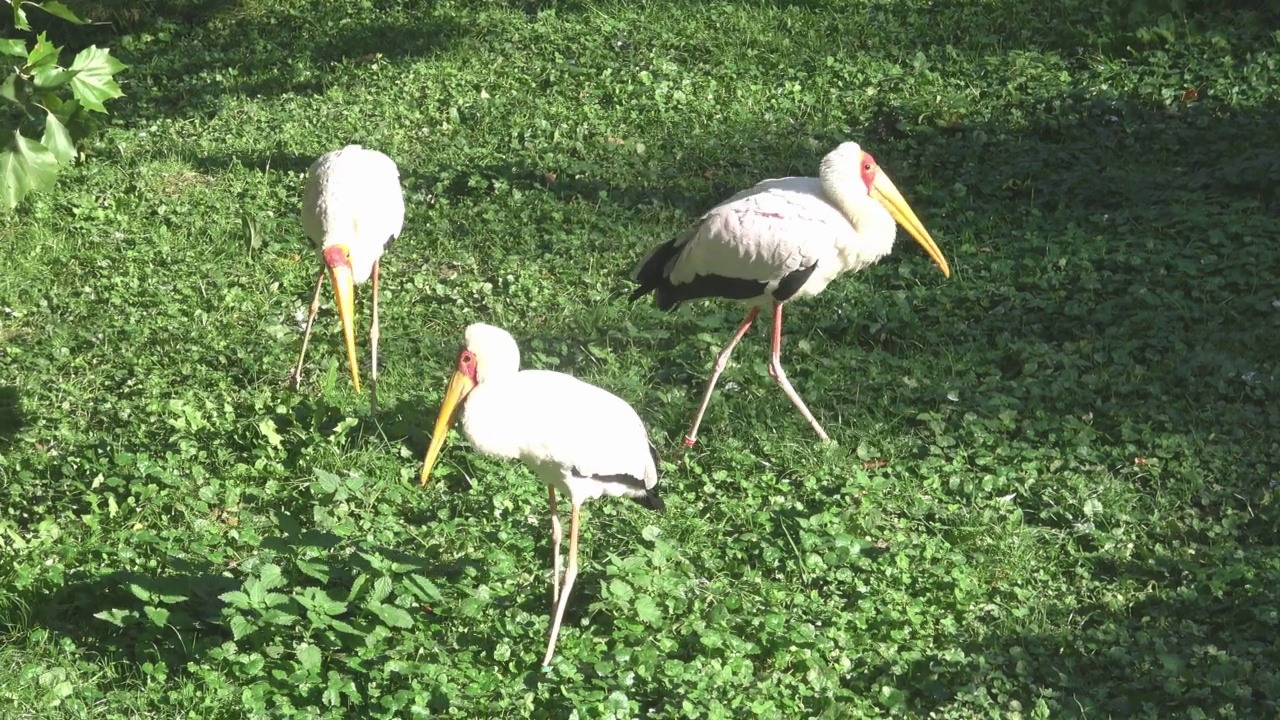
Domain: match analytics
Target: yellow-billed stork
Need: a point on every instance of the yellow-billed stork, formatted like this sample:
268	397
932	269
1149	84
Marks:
578	439
780	240
352	209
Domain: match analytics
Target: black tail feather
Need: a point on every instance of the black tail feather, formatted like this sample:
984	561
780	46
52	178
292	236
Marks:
652	274
650	500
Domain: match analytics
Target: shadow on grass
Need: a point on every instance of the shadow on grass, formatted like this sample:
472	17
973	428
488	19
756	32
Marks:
199	52
11	420
1167	331
181	613
1149	323
1198	639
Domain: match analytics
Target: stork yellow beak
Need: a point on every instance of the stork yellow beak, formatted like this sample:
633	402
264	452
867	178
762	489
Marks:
344	292
459	387
886	193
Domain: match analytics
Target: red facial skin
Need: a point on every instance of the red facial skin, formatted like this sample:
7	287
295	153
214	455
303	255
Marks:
467	365
868	170
336	256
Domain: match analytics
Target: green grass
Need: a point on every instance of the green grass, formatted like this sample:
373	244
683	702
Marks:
1054	491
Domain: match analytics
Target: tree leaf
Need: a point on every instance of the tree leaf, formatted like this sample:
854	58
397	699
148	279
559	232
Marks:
20	17
43	54
13	46
58	139
51	77
57	9
25	166
9	90
93	83
309	657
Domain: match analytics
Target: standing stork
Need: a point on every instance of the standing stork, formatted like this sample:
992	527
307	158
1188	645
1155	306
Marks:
352	209
780	240
578	439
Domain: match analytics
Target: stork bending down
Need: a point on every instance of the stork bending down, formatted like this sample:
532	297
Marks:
352	209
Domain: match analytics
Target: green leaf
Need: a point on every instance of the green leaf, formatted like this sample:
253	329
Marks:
381	589
278	617
309	657
43	54
392	615
270	576
235	598
317	569
267	427
9	90
620	590
93	83
318	601
240	627
647	610
140	592
328	481
58	139
158	616
115	616
13	46
57	9
25	166
424	588
20	17
51	77
343	626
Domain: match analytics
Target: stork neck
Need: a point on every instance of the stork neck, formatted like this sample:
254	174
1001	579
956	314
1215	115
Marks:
873	224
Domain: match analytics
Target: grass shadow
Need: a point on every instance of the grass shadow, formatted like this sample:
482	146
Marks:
11	419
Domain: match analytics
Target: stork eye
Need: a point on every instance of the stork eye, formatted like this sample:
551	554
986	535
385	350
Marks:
468	358
866	167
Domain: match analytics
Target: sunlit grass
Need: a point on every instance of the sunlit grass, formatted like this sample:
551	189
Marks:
1052	492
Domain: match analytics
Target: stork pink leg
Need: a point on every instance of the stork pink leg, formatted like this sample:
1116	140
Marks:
555	549
373	340
721	361
306	334
775	370
570	574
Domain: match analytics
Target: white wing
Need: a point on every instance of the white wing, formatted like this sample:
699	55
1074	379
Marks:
763	234
353	196
551	419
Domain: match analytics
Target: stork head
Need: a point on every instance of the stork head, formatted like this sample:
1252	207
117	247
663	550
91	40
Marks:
849	160
338	258
488	352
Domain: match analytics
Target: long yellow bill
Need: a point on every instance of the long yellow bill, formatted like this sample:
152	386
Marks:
344	295
886	193
459	386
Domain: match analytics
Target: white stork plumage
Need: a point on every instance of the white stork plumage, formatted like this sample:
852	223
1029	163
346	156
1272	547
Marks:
352	209
780	240
578	439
